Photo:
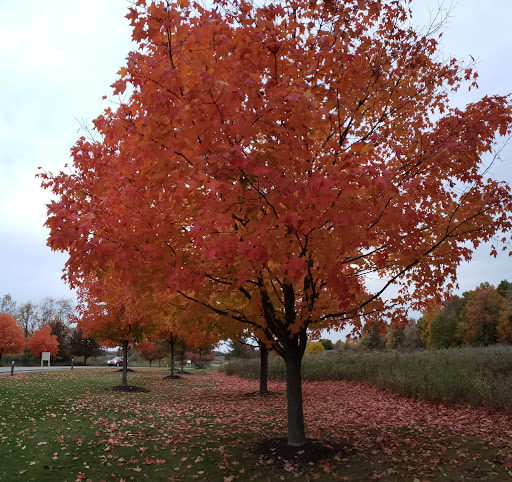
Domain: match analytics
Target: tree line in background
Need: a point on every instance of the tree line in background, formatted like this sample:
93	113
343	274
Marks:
480	317
32	328
51	325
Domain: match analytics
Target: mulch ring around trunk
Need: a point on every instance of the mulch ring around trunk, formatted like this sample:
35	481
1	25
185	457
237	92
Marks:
172	377
266	394
128	370
277	451
127	388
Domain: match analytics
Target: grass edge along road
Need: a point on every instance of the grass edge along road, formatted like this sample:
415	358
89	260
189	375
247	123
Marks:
65	426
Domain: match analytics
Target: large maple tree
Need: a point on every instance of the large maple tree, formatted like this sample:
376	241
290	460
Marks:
265	161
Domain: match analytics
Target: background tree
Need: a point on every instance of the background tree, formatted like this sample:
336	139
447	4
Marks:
109	312
79	345
315	348
63	333
240	349
479	319
271	158
11	335
27	318
161	350
394	337
146	350
412	336
327	344
43	340
8	305
373	336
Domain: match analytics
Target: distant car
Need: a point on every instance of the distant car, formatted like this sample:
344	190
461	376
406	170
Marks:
117	361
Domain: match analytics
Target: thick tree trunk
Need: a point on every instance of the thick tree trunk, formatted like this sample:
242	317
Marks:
124	381
263	369
296	430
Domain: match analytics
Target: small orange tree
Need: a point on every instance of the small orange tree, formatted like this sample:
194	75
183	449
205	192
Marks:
12	339
43	340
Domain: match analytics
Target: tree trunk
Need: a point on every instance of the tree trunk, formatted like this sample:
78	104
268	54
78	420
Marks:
150	363
124	382
85	360
182	362
172	355
296	430
263	369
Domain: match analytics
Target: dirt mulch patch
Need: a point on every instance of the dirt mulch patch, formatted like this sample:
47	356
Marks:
172	377
127	388
258	394
278	452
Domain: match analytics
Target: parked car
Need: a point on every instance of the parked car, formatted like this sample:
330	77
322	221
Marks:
117	361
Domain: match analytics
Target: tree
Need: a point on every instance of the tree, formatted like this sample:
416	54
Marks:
80	345
395	337
444	326
315	348
147	351
43	340
108	312
162	350
240	349
412	334
27	318
270	158
11	335
63	333
373	337
479	318
327	344
8	305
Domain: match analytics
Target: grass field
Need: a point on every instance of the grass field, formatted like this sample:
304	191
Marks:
65	426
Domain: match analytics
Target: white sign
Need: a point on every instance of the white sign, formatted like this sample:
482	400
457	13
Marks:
45	356
189	362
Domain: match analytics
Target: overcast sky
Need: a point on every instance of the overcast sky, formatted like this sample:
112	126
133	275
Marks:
59	57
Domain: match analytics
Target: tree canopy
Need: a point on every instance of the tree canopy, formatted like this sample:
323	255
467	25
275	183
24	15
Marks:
265	160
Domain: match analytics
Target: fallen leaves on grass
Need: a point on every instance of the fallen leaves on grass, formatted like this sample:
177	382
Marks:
207	423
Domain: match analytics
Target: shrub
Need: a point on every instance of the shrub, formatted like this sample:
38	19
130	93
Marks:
315	348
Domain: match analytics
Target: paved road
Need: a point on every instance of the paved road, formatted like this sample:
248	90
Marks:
20	369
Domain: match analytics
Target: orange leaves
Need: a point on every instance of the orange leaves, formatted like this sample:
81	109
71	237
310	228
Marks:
256	152
12	339
43	340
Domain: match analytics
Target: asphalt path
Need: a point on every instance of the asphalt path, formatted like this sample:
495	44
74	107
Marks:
20	369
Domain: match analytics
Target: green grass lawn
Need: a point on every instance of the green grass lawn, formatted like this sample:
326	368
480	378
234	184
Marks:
65	426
